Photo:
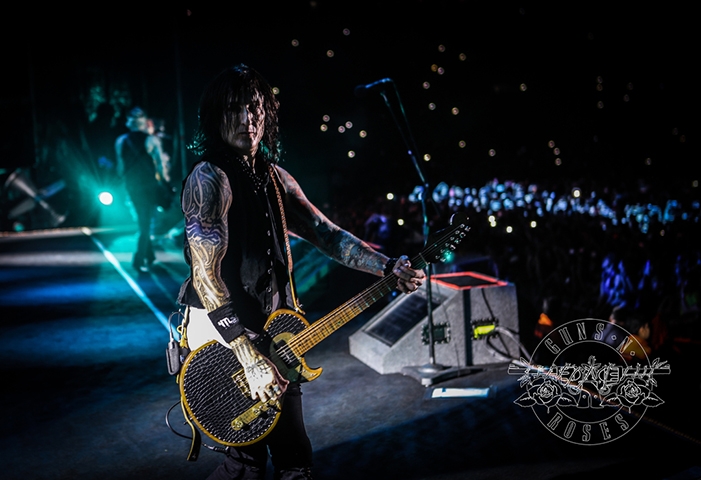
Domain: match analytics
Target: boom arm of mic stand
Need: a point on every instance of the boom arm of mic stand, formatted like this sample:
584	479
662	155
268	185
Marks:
410	143
432	366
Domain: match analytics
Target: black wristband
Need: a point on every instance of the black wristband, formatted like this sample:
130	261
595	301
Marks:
389	266
226	322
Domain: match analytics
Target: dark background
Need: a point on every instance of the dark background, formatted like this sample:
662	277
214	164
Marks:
71	73
598	98
613	89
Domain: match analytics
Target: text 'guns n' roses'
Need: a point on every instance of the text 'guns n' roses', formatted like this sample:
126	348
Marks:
560	381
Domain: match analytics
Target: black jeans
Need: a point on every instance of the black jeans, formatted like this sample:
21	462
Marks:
145	209
288	444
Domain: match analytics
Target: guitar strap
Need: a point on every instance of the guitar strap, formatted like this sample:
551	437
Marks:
196	441
273	174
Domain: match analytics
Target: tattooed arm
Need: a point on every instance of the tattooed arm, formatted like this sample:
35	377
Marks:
206	202
311	224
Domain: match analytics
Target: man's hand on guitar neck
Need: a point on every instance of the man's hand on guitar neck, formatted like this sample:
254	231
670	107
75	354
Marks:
408	279
264	380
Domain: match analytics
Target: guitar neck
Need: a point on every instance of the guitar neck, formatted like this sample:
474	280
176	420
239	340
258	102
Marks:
334	320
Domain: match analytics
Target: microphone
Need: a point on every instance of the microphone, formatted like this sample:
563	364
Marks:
362	90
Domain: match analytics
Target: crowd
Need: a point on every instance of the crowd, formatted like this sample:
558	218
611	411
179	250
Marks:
573	249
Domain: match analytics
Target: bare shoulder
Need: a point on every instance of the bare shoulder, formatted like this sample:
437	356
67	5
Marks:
288	181
207	172
284	174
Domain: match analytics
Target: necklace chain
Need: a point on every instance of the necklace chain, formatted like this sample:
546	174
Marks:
256	179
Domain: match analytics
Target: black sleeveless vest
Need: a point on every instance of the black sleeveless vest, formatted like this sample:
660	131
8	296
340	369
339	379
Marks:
256	251
139	170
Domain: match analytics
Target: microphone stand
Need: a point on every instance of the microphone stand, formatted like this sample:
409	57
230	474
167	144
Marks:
431	372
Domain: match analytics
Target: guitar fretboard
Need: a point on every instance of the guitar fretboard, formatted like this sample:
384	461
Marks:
334	320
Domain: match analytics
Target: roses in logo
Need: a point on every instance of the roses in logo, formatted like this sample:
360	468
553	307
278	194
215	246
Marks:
545	391
632	392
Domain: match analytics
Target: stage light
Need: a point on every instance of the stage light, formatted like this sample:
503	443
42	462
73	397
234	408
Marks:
22	185
105	198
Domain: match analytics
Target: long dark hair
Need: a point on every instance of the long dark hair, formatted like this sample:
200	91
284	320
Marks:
214	101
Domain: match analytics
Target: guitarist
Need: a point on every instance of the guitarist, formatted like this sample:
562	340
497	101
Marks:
238	204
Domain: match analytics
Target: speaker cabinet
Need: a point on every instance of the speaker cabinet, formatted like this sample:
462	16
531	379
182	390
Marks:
466	307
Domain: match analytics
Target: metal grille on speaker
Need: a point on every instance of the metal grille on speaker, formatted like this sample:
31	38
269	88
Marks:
400	320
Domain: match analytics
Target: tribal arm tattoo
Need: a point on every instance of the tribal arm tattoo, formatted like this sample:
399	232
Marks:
206	202
311	224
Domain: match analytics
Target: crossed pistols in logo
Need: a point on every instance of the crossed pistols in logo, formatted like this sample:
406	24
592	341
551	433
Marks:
590	392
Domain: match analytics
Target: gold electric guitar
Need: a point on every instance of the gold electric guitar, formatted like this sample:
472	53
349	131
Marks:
213	387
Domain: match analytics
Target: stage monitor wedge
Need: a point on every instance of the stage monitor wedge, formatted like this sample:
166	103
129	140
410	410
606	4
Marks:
469	310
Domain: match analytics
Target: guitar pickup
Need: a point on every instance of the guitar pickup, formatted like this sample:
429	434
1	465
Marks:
257	410
239	379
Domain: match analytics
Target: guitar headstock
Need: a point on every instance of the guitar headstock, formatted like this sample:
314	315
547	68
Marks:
443	243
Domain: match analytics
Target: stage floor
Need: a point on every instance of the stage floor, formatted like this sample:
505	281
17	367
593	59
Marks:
86	388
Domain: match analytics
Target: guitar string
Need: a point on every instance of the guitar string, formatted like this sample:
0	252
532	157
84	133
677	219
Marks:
302	338
308	336
379	286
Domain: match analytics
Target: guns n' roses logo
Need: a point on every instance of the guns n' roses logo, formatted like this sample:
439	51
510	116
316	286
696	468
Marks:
592	384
